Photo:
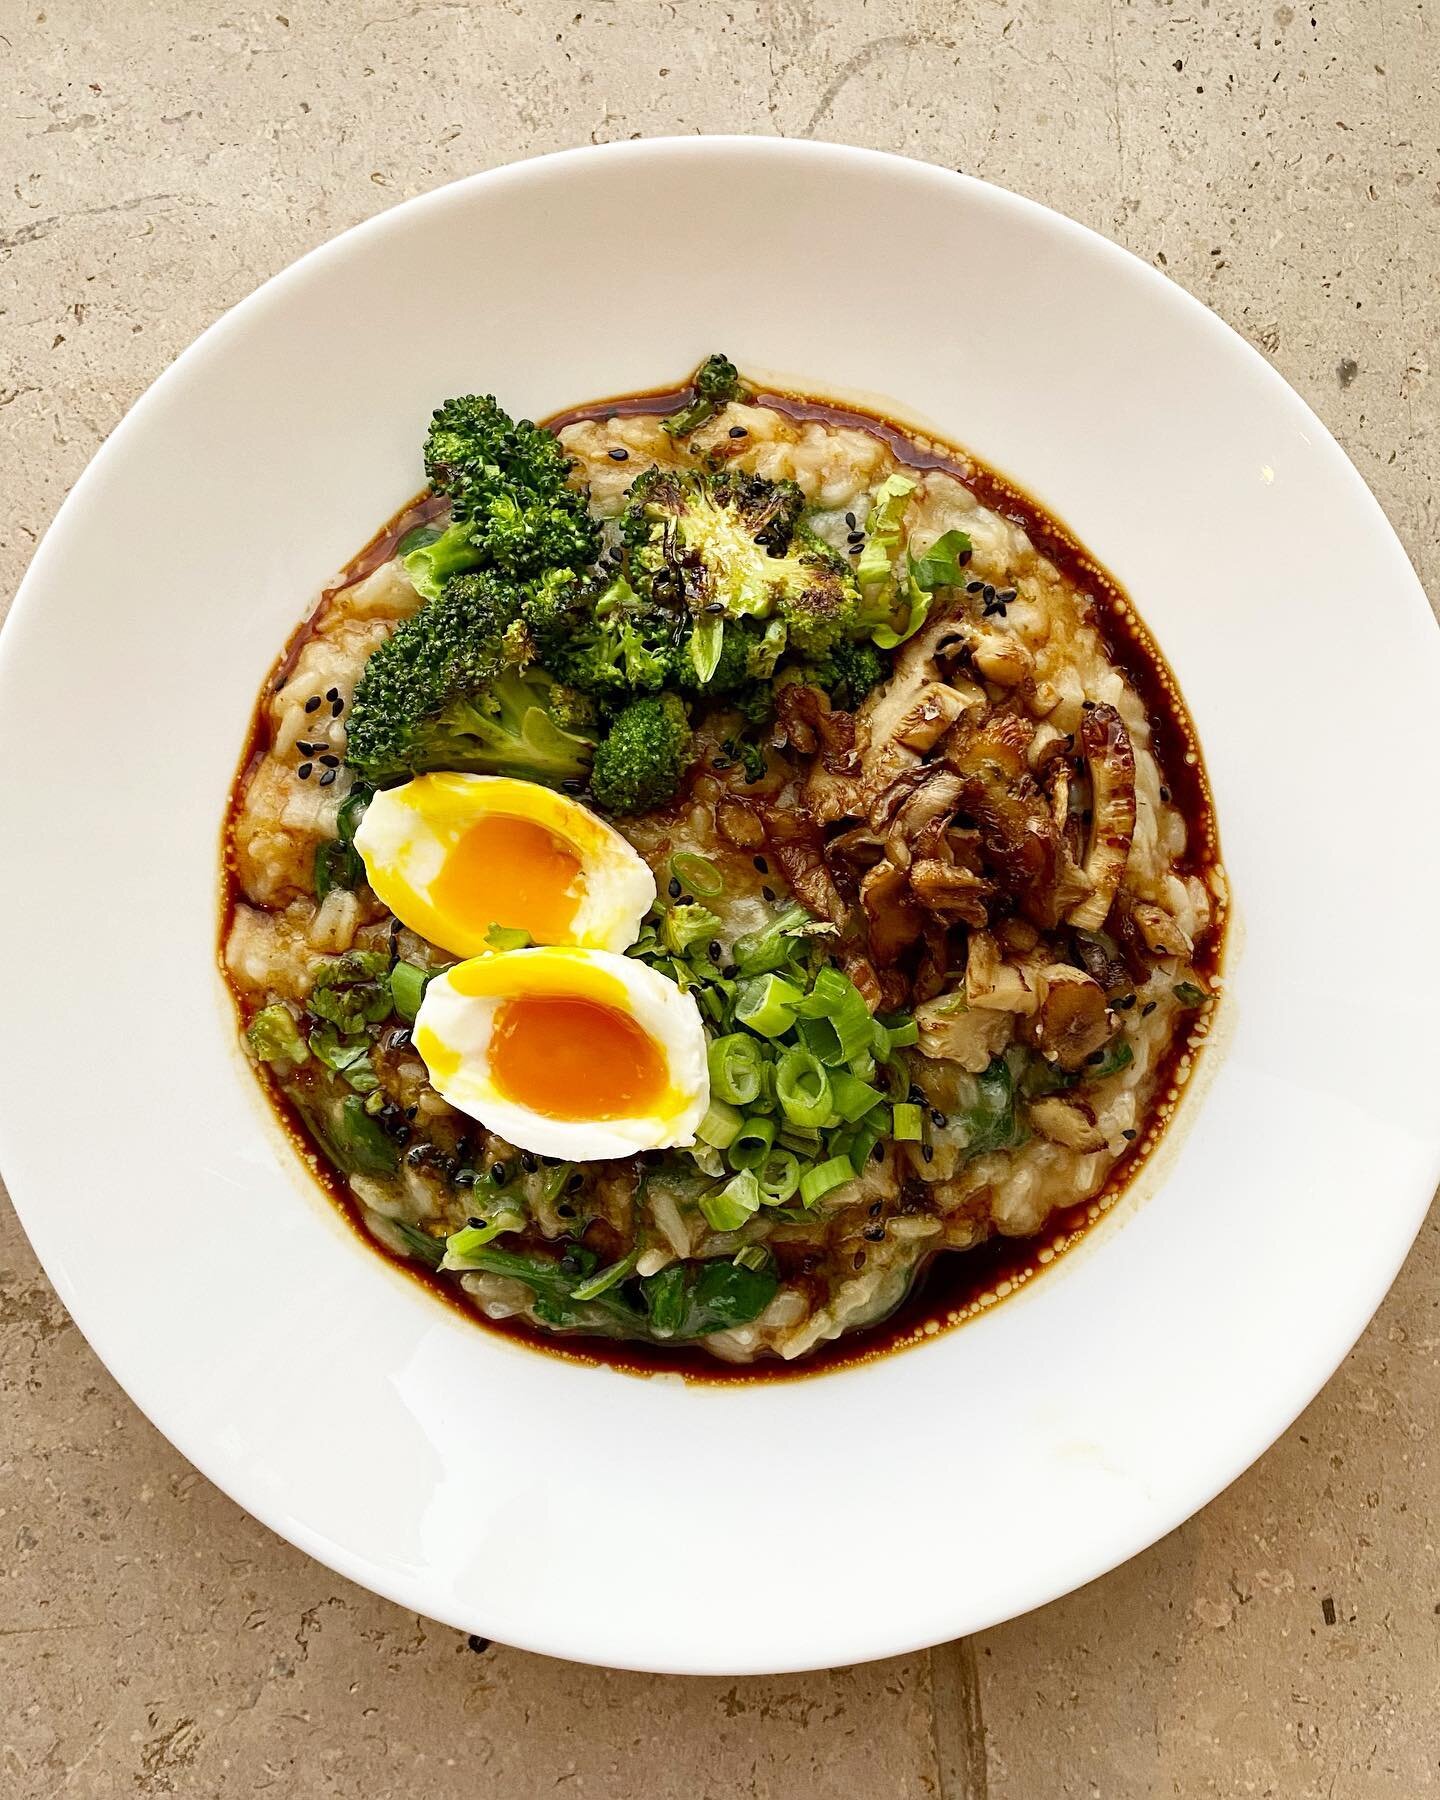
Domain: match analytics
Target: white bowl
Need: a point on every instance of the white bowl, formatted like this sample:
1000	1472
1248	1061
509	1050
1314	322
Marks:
579	1511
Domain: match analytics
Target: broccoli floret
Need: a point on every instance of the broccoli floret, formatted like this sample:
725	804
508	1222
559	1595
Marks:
847	673
722	545
510	496
716	383
640	763
456	687
739	647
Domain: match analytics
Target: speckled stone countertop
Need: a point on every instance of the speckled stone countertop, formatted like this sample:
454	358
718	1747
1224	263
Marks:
161	159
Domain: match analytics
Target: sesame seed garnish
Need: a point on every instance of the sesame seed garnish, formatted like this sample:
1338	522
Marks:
936	1116
499	1174
312	703
712	950
973	587
767	893
762	865
528	1163
618	453
738	431
927	1151
1127	1135
332	693
330	762
674	888
1147	1009
304	771
328	777
337	706
850	520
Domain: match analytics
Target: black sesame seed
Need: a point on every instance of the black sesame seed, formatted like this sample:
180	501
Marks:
336	708
877	1151
875	1233
304	771
575	1181
936	1116
713	606
478	1644
674	888
1165	794
713	951
1127	1135
738	431
1147	1009
410	1111
850	520
332	693
618	453
572	786
328	778
927	1151
499	1174
876	1205
1125	1002
330	762
474	1224
1087	706
767	893
528	1162
973	587
988	591
312	703
762	865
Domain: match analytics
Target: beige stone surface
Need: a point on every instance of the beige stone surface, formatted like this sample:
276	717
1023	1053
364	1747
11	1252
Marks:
157	160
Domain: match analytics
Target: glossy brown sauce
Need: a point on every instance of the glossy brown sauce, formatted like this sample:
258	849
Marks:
954	1285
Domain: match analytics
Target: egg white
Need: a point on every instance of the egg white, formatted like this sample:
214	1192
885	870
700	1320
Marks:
452	1037
402	841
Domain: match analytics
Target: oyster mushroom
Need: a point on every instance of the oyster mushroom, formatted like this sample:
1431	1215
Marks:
1110	757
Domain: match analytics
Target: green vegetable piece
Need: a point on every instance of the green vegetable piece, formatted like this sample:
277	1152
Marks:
460	1246
508	937
1115	1056
907	1123
365	1145
1189	993
882	529
802	1087
824	1178
352	811
642	761
730	1206
773	945
766	1004
940	566
779	1177
348	1057
901	1032
751	1145
992	1123
683	927
693	1299
337	865
274	1037
736	1068
698	874
720	1126
606	1279
407	989
752	1256
851	1097
427	1249
417	538
353	990
716	383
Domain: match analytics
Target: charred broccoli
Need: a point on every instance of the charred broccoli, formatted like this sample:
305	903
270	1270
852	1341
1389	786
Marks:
512	507
716	383
847	673
721	546
639	765
456	687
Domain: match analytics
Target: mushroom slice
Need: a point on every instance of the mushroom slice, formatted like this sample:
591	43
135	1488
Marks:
1073	1020
1068	1121
994	984
894	920
1106	746
952	1031
951	891
1159	933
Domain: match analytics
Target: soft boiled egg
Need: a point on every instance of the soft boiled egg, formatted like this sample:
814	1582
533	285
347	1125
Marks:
454	855
579	1054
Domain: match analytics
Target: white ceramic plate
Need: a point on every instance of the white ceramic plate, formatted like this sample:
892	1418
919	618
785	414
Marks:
579	1511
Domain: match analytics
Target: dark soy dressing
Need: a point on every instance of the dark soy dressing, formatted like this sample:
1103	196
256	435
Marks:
953	1285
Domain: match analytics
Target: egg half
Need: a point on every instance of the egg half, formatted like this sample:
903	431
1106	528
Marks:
454	855
579	1054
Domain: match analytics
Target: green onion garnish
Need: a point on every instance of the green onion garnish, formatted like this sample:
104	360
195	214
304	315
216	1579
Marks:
802	1086
907	1124
779	1177
407	988
852	1097
751	1256
736	1068
767	1004
720	1125
697	873
605	1279
733	1204
824	1177
508	937
751	1144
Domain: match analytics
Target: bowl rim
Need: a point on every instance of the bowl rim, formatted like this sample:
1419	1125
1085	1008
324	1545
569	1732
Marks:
1348	1317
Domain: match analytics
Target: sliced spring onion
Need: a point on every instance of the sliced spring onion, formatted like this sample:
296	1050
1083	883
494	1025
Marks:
460	1245
767	1004
894	1078
757	952
508	937
697	873
407	988
802	1086
821	1039
752	1256
901	1034
851	1097
720	1125
733	1204
863	1139
824	1178
737	1065
779	1177
752	1143
605	1279
907	1123
804	1140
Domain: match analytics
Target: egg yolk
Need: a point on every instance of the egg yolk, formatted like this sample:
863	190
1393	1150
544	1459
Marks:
575	1059
505	870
